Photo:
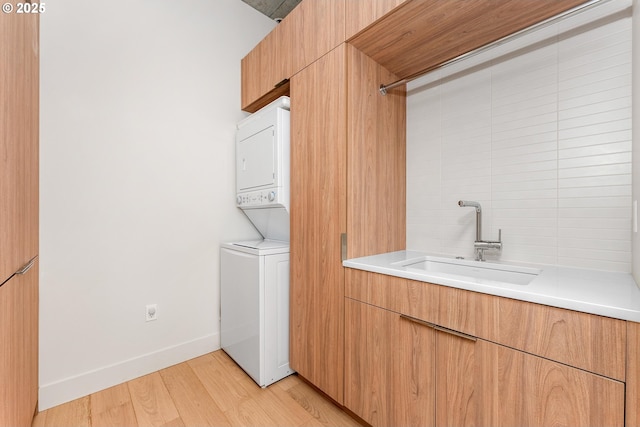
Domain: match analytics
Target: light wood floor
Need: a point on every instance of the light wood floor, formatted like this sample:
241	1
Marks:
210	390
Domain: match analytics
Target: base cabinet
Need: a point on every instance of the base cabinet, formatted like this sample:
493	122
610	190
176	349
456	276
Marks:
389	367
402	371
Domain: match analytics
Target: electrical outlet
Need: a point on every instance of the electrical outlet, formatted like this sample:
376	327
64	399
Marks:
151	312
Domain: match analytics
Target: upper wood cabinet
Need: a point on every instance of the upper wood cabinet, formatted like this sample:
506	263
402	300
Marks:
358	17
421	34
312	29
264	70
18	141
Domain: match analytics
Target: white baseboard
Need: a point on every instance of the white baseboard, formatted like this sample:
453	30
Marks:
72	388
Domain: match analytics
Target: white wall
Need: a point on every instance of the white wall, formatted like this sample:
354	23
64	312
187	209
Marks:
139	101
540	136
636	139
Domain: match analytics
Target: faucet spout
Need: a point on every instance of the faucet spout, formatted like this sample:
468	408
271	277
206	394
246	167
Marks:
481	245
470	204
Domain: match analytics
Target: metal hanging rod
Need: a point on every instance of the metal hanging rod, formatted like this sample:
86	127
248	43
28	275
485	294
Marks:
584	6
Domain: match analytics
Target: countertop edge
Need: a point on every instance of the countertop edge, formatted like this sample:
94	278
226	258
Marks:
381	264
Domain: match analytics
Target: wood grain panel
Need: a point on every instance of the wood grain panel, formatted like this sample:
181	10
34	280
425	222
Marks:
538	392
19	77
421	34
586	341
264	69
19	349
633	375
250	80
314	28
318	218
389	367
358	16
410	297
469	312
376	196
457	389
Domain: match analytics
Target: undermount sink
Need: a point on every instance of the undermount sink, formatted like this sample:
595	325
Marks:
466	269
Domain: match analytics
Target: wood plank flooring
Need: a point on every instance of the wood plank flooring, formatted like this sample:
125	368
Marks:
210	390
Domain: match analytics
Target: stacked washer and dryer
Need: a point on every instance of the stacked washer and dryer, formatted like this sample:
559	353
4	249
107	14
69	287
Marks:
254	275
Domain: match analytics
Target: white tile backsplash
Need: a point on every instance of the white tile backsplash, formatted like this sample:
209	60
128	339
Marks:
541	137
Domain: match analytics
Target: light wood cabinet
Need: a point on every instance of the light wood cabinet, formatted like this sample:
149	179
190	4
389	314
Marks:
390	374
318	218
474	380
264	71
19	77
311	30
422	34
359	17
18	141
339	128
19	349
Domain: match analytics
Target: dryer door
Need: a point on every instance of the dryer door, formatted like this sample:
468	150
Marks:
256	161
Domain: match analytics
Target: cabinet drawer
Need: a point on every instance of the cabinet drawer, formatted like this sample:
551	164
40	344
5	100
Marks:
586	341
415	299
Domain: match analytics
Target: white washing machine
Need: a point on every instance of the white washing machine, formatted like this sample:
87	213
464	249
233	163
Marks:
254	327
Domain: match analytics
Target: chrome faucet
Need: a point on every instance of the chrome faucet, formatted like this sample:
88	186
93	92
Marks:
480	245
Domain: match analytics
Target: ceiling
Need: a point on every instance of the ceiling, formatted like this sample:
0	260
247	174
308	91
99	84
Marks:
274	9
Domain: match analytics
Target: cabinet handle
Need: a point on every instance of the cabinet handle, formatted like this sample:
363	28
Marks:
456	333
27	266
281	83
343	246
438	328
418	321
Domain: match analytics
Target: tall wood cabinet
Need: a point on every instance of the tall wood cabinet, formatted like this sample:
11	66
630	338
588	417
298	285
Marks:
19	77
318	218
347	156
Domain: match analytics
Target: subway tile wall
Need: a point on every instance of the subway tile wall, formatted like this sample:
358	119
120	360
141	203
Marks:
539	132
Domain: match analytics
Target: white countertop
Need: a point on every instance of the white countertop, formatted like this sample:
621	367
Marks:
605	293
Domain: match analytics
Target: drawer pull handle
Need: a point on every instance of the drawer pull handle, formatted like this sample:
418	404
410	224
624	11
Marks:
26	267
439	328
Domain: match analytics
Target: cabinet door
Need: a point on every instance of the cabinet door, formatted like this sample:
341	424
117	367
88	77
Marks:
263	69
18	141
389	367
483	383
318	218
359	15
544	393
312	29
19	349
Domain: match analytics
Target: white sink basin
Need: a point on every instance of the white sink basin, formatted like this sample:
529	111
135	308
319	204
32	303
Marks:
472	270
